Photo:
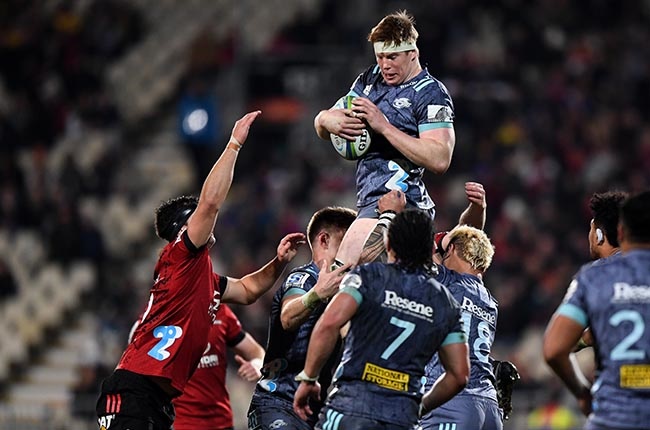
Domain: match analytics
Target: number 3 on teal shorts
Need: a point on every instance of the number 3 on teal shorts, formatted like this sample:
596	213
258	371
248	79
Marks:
168	335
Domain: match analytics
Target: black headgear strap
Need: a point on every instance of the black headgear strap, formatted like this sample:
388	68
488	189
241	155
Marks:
179	221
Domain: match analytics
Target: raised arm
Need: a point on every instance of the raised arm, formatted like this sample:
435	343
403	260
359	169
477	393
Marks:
250	287
475	213
217	184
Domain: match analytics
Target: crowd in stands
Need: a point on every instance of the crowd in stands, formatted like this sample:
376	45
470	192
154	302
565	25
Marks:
53	58
551	106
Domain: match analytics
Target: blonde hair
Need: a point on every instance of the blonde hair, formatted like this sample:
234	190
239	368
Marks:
396	28
473	246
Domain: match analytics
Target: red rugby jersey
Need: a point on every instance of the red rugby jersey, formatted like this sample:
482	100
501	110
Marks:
173	330
205	403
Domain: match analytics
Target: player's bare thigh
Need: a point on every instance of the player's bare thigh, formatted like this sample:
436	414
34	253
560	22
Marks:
354	239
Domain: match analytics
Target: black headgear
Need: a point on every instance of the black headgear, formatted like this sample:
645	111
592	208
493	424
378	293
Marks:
171	230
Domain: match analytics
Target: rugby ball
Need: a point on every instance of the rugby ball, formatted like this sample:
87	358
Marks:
350	149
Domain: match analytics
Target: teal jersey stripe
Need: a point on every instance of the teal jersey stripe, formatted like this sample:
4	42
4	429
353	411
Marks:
456	337
575	313
356	295
425	83
293	291
434	126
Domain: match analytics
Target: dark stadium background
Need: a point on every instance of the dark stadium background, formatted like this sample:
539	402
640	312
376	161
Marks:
552	104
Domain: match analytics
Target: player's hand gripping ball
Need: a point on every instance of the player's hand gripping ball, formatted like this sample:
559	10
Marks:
350	149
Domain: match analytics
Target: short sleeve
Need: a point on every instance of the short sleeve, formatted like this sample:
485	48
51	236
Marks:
233	329
299	283
434	108
574	304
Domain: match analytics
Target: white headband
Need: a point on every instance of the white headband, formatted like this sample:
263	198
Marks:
385	47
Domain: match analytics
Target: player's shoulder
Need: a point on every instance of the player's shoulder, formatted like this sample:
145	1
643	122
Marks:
366	276
302	275
225	311
370	76
375	269
428	90
599	267
441	282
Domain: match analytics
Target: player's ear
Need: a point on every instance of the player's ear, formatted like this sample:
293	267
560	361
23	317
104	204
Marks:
323	239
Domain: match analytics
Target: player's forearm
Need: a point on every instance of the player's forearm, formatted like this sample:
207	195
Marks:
321	345
473	215
217	184
260	281
249	349
294	313
433	155
568	373
319	126
446	387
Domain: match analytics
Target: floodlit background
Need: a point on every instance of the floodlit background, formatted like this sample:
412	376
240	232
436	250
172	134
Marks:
108	107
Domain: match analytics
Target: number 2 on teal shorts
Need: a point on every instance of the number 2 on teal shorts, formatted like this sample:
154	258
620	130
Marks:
397	181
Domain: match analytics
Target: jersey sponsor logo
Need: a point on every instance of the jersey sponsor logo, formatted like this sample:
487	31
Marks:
214	306
625	293
394	301
297	280
211	360
401	102
277	424
367	89
105	421
469	306
439	113
409	84
635	376
385	378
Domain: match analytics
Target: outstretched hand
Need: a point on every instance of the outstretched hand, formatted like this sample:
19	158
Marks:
304	393
243	125
288	247
475	194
